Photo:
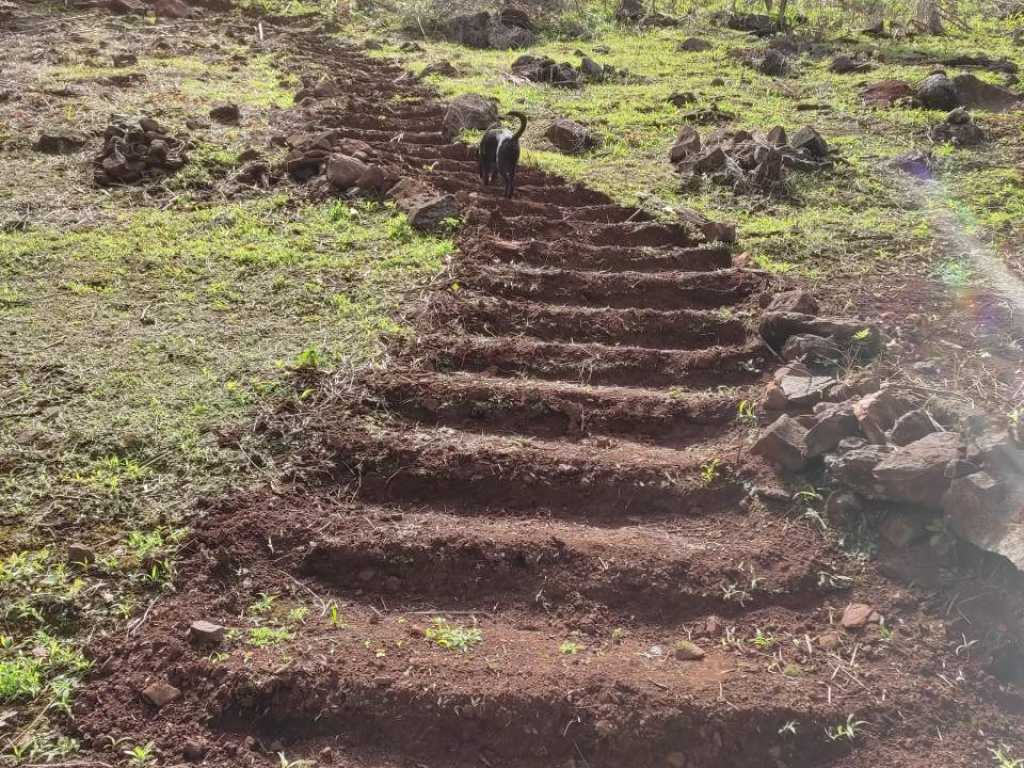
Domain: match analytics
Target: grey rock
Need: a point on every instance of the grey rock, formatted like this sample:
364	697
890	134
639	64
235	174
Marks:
204	632
426	208
228	114
777	138
469	111
997	451
160	693
687	144
877	413
832	425
783	443
60	142
810	142
860	340
979	509
975	93
794	301
591	69
794	386
937	91
855	468
911	426
695	45
915	473
343	171
814	351
571	137
772	63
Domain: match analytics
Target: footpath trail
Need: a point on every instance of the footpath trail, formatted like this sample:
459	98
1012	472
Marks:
553	477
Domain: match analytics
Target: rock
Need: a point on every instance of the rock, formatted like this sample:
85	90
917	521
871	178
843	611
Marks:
374	180
810	142
681	98
977	509
591	70
877	413
852	444
570	137
206	633
777	138
794	301
830	641
832	425
911	426
470	29
855	468
857	615
228	114
410	46
974	93
901	529
546	70
758	24
886	93
859	339
841	506
713	231
60	142
427	209
343	171
960	468
783	443
997	451
684	650
695	45
937	91
517	15
79	554
687	144
630	11
794	386
194	751
709	161
915	473
814	351
959	129
171	9
443	68
772	63
845	65
125	59
160	693
469	111
503	37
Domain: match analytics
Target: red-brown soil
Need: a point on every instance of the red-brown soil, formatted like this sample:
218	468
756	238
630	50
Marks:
556	457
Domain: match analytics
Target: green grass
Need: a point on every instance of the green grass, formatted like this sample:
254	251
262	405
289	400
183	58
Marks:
452	637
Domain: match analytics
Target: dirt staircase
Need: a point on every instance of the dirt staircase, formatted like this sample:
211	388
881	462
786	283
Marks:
555	463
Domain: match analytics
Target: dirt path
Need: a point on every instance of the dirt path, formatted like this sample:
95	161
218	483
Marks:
552	481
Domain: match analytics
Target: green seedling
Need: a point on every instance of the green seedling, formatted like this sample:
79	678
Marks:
709	471
140	756
1002	758
847	730
764	641
263	606
789	727
260	637
569	648
452	637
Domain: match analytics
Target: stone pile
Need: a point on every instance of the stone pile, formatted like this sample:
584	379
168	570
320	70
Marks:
881	443
747	162
134	152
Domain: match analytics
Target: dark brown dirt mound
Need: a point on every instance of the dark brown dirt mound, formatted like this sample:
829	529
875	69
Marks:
539	539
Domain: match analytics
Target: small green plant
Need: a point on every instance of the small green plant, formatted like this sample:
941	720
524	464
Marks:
789	727
764	641
334	616
746	413
298	615
569	648
709	471
1002	758
847	730
862	334
260	637
21	679
262	606
309	359
618	635
141	755
453	637
284	762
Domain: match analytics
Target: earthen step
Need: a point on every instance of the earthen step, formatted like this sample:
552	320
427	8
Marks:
570	254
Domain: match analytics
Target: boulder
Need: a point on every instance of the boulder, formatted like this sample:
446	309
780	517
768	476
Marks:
591	70
503	37
877	413
695	45
541	69
469	111
443	68
630	11
937	91
343	171
772	63
886	93
517	15
160	693
808	141
832	424
228	114
470	29
757	24
374	180
687	144
911	426
958	129
979	509
710	160
427	208
915	473
794	386
794	301
783	443
997	451
855	468
60	142
975	93
845	65
570	137
777	138
713	231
